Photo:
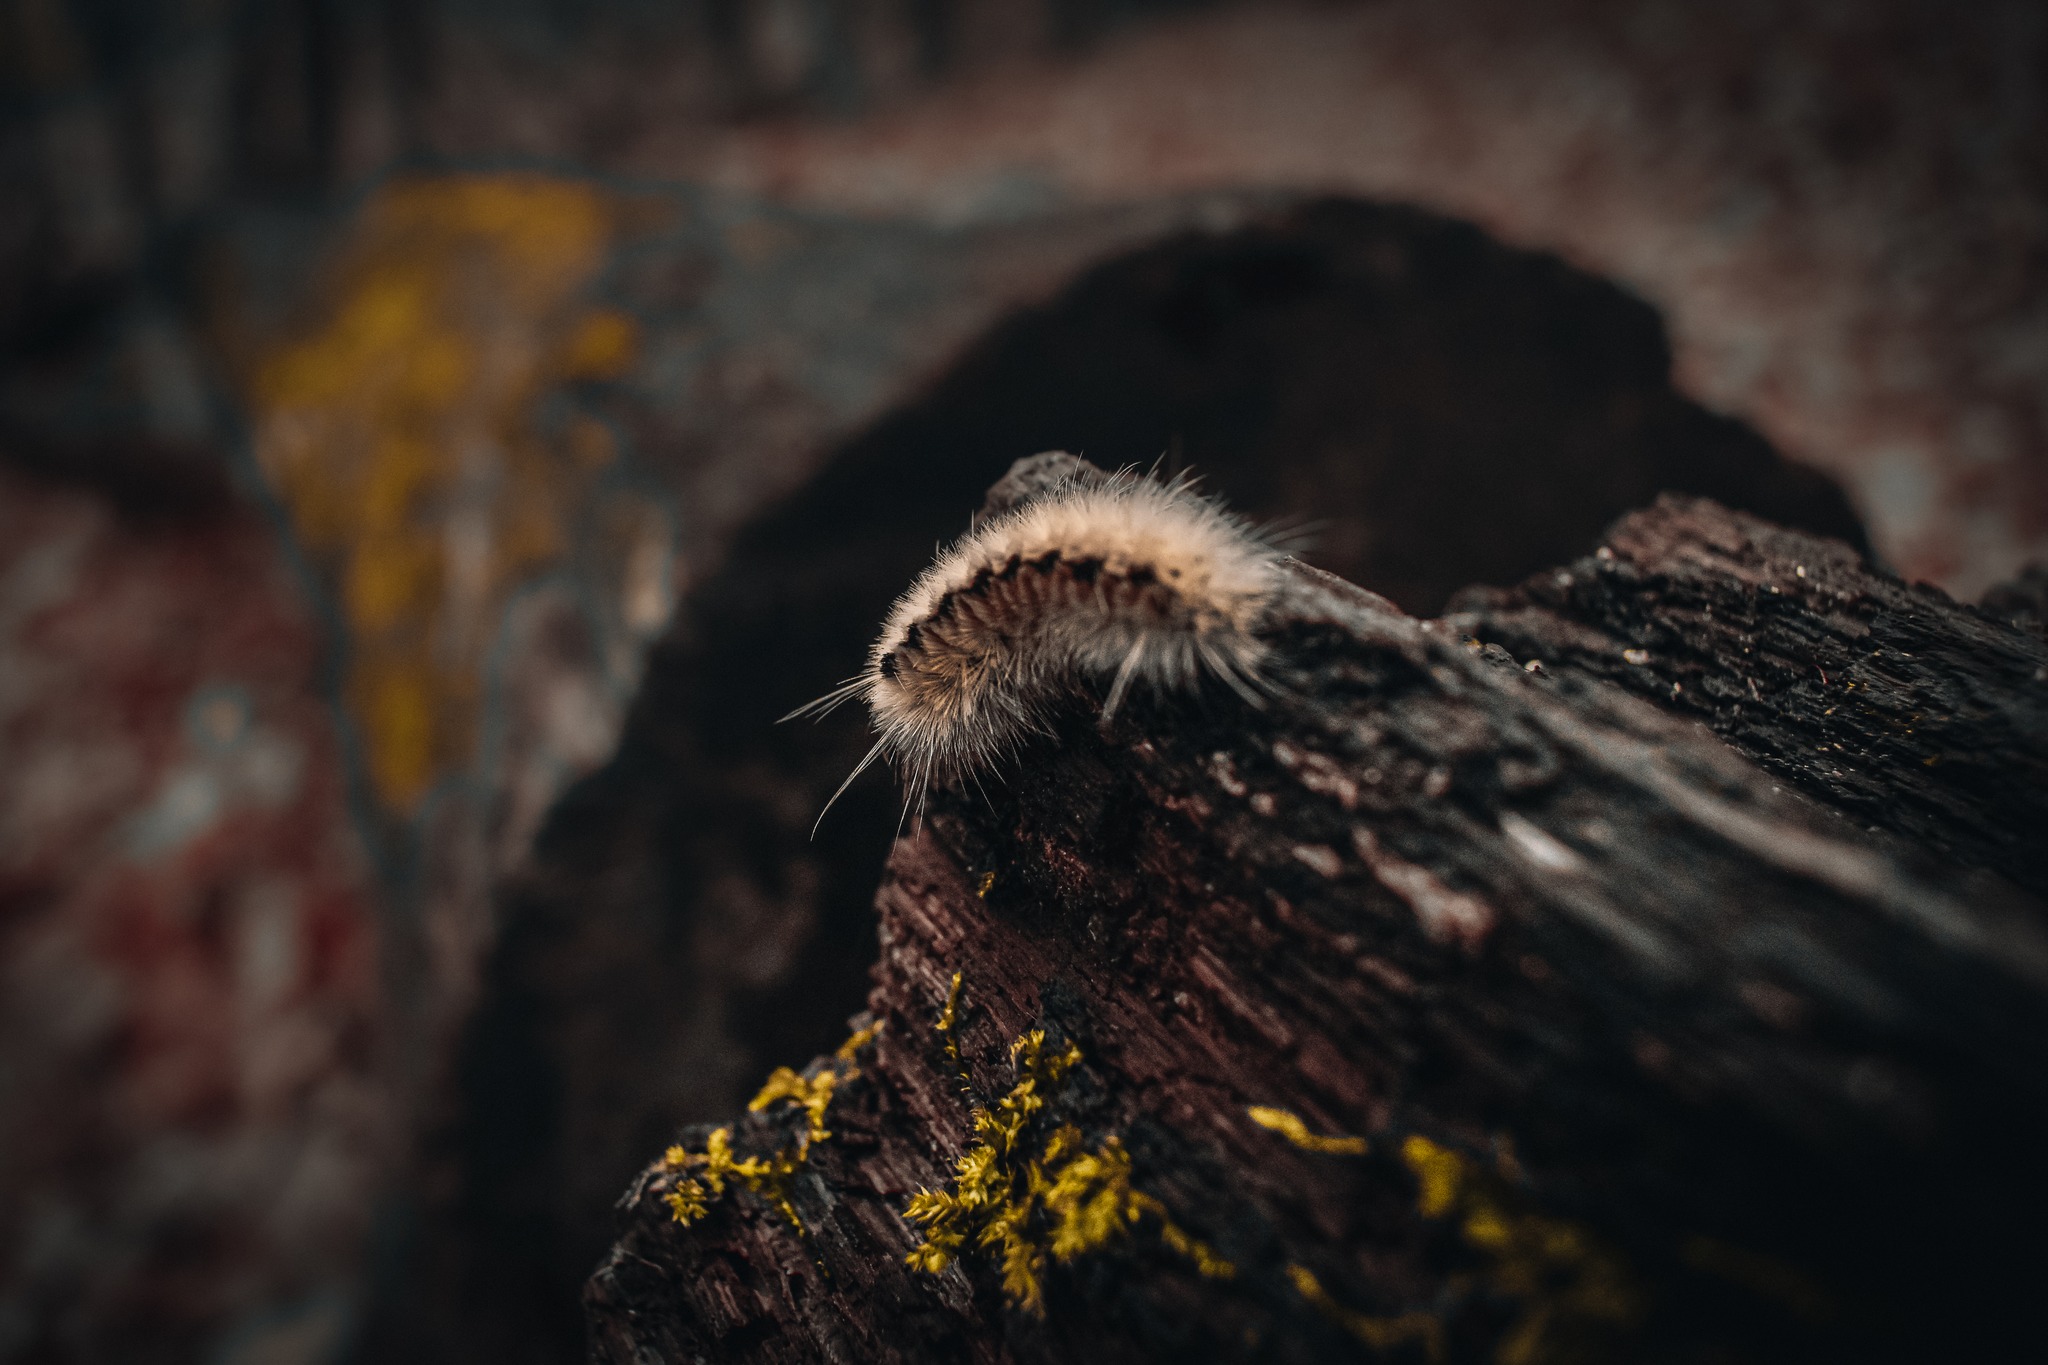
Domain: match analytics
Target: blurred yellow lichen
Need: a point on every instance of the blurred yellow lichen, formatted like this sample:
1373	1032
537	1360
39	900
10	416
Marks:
1382	1334
855	1041
401	429
1290	1126
701	1177
1577	1297
1031	1203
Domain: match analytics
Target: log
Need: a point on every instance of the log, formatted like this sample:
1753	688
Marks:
1473	1000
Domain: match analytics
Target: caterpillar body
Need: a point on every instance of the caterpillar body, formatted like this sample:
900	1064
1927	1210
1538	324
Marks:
1125	577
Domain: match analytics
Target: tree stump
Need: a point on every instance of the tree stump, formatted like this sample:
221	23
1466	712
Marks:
1641	964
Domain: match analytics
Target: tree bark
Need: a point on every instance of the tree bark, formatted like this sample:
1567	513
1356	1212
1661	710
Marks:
1470	1001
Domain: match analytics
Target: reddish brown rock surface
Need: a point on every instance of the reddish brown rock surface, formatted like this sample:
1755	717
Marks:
192	1115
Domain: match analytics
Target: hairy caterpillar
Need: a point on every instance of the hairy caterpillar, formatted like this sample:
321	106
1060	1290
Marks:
1123	576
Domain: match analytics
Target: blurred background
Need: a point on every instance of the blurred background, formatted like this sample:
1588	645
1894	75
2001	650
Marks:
438	437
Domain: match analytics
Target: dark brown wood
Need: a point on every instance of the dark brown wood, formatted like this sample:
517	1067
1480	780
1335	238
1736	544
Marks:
1887	702
1667	1042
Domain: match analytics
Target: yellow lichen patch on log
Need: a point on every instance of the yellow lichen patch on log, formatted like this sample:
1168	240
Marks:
1030	1203
700	1177
812	1093
1577	1297
948	1028
1290	1125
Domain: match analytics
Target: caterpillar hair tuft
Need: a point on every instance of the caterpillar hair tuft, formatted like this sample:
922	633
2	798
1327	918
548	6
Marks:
1125	577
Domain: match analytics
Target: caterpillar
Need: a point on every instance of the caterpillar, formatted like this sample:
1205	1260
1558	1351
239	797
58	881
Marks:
1124	576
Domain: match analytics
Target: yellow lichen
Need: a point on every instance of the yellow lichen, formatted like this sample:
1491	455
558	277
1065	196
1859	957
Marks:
1575	1294
687	1202
701	1177
949	1029
1382	1334
1030	1203
812	1093
855	1041
949	1017
1439	1174
709	1171
402	431
1291	1126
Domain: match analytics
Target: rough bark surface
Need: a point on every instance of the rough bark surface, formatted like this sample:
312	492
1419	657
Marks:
1666	1042
1887	702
